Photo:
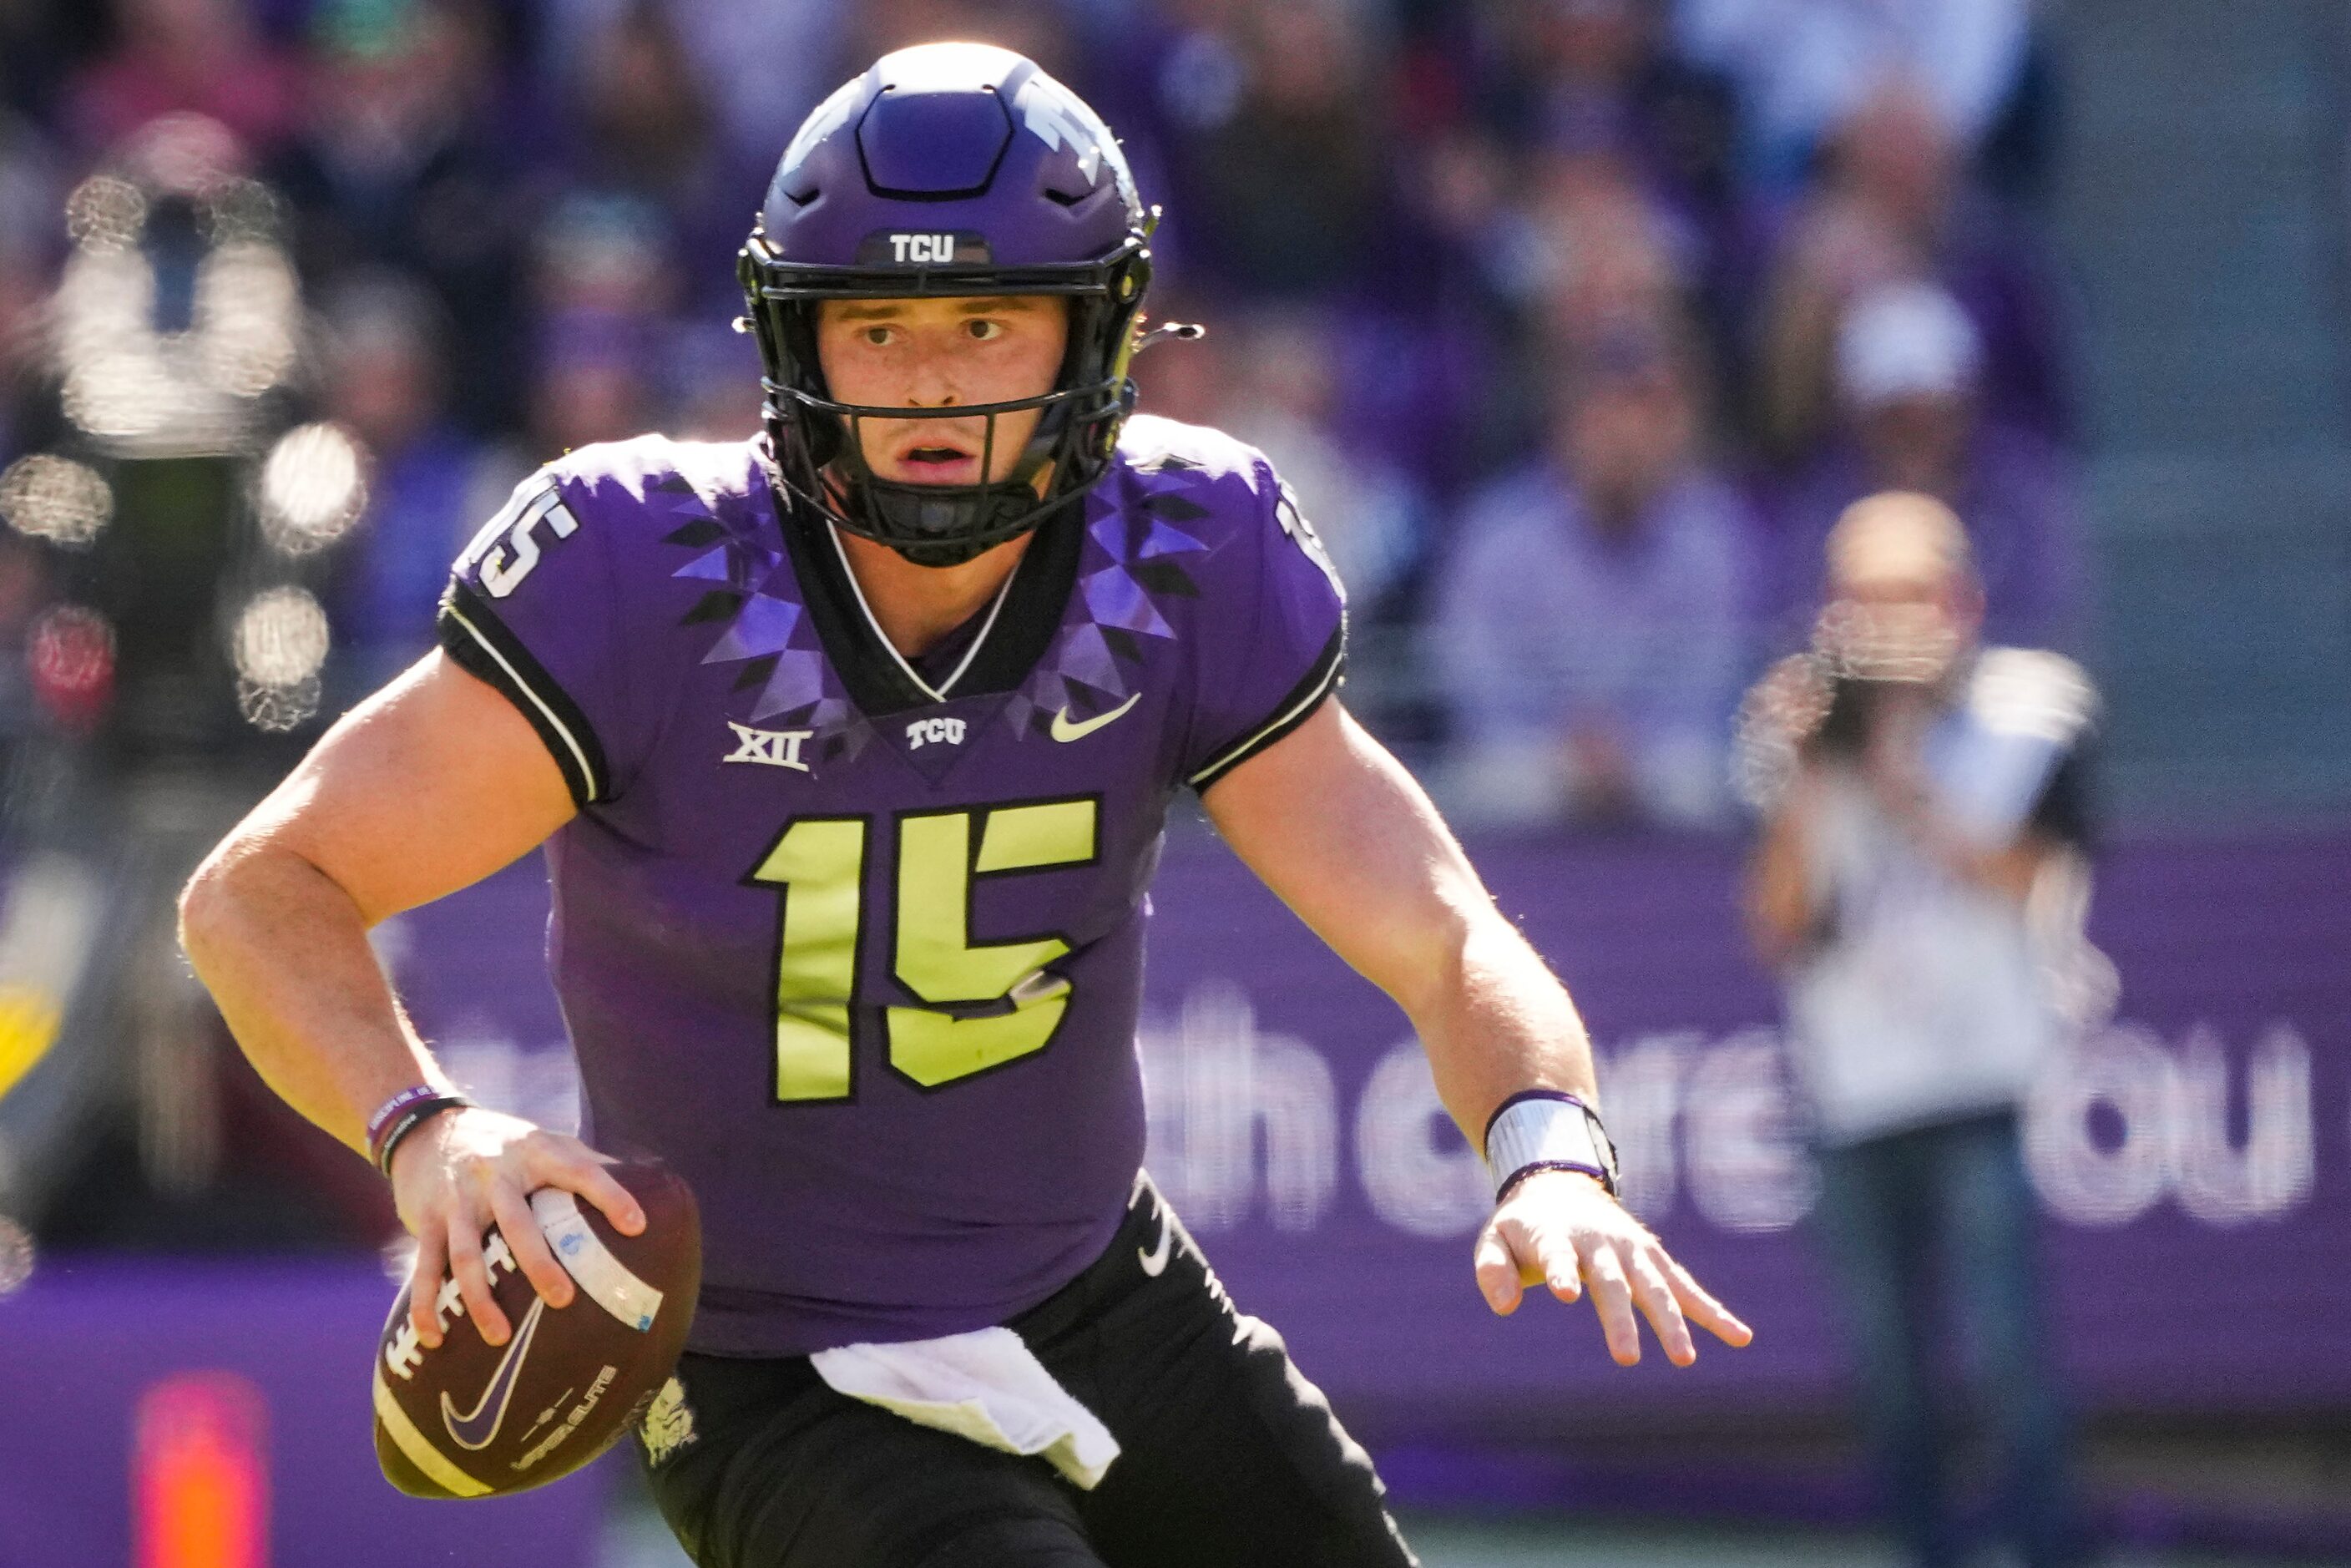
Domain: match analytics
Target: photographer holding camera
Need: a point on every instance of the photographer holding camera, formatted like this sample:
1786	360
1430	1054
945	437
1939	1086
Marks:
1921	874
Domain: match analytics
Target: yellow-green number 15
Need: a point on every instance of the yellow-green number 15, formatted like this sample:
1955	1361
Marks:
993	1001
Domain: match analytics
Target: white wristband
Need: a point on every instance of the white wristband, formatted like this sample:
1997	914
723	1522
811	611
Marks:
1546	1129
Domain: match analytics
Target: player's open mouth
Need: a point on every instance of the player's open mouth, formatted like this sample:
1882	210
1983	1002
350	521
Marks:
936	463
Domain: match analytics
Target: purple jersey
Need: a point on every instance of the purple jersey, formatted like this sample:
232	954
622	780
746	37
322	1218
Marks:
855	943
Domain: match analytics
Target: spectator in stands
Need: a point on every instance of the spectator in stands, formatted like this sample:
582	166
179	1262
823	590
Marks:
593	382
1804	65
1592	79
1561	243
643	126
1909	372
385	381
1919	878
1895	204
401	162
758	69
1291	187
603	250
184	57
643	135
1590	633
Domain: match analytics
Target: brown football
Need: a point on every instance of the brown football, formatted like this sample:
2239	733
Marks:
471	1419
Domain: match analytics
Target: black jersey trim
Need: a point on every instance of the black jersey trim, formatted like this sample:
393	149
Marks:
481	645
1033	609
1295	708
1032	614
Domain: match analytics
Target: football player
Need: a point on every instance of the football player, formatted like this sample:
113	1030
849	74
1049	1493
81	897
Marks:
851	748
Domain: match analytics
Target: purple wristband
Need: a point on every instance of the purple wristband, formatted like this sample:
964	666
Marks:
402	1115
1511	1184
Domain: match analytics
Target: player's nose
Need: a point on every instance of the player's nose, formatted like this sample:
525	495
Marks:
935	385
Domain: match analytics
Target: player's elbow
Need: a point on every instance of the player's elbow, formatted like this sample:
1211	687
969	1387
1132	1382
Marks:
219	895
206	905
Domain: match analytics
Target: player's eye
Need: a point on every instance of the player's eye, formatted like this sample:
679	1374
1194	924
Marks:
986	330
877	335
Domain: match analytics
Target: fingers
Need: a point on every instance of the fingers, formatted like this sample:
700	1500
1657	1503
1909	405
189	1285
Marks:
1576	1240
571	1165
528	1245
1655	1299
1497	1270
1612	1298
1704	1310
1561	1269
424	1282
473	1281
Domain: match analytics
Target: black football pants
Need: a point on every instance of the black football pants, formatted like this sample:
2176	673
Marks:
1229	1457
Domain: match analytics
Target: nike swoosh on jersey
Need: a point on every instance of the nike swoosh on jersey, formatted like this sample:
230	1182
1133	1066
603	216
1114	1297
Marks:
478	1427
1154	1263
1066	729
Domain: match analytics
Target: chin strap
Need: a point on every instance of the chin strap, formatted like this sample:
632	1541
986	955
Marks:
1009	509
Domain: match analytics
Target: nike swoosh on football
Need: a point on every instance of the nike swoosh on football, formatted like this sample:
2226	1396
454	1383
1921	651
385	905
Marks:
1154	1263
478	1427
1064	729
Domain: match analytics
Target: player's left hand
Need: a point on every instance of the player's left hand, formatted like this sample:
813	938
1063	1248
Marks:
1562	1230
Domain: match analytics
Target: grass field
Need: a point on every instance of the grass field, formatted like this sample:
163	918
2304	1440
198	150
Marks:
639	1540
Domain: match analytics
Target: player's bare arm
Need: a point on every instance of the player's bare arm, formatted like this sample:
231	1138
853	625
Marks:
427	788
1339	829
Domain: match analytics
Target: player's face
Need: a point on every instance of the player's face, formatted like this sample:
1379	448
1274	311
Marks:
1916	621
942	353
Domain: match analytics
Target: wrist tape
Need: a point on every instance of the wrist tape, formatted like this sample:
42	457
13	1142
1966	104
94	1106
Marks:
1546	1130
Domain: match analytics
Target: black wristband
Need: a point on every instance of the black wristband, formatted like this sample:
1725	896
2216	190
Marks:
406	1120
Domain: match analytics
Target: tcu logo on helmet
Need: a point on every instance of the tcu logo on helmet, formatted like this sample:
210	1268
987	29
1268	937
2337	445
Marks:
921	247
933	732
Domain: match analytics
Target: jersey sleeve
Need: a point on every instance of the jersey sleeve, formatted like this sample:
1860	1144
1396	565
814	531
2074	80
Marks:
533	609
1263	673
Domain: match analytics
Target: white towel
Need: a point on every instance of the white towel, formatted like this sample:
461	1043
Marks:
986	1385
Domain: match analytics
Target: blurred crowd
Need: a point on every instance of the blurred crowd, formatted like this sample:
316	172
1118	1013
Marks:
1574	323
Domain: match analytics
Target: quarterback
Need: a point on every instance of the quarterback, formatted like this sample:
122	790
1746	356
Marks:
850	747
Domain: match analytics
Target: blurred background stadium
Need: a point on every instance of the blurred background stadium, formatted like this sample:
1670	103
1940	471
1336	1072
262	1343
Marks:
1574	323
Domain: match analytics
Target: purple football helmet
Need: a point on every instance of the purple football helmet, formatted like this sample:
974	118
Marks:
949	169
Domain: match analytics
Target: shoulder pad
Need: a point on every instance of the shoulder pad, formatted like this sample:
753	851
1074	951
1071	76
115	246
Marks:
1151	445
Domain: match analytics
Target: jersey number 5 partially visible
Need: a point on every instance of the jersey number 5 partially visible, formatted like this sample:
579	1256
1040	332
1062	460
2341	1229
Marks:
991	1002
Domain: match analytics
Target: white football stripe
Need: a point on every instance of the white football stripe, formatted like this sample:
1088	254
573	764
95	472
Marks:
421	1453
607	1280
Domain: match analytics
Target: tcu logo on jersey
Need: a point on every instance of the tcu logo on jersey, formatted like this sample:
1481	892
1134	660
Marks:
934	732
921	247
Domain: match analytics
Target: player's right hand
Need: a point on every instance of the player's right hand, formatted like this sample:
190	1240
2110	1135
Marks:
466	1170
